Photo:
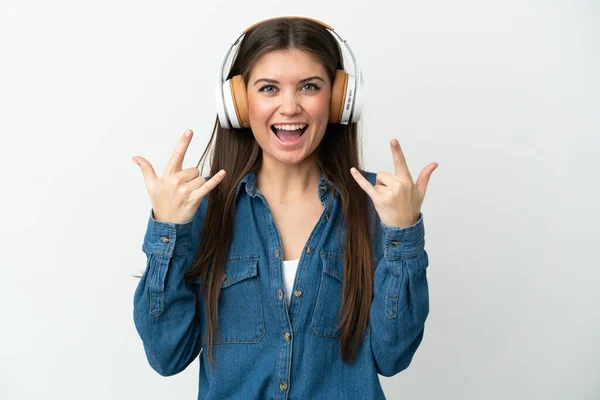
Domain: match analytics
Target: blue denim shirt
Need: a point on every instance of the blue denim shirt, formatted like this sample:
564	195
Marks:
265	350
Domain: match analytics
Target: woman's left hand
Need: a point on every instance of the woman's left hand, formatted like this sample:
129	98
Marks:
396	198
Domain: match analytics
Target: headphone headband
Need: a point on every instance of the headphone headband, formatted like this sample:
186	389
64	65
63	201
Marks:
347	104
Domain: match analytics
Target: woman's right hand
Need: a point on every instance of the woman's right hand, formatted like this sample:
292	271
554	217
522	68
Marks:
177	194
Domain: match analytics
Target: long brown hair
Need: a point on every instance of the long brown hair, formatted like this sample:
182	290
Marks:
237	152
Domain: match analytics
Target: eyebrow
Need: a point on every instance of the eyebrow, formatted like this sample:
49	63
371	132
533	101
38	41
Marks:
274	81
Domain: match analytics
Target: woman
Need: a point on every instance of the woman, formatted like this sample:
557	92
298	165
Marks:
297	275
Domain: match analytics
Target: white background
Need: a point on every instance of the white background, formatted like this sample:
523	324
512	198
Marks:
504	95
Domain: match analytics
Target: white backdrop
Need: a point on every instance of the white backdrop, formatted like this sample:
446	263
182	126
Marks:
504	95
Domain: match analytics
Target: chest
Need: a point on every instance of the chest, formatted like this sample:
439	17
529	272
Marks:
295	223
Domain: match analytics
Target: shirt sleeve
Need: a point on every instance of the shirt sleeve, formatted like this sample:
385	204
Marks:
401	298
164	305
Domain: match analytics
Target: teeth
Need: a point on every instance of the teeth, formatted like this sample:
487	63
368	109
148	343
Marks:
290	127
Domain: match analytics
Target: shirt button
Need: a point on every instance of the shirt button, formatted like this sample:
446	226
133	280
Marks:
396	242
165	239
276	252
308	249
280	294
298	293
287	336
282	386
324	187
326	217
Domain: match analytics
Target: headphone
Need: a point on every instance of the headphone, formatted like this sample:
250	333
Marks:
231	95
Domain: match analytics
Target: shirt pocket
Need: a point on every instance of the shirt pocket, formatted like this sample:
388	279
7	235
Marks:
241	317
329	299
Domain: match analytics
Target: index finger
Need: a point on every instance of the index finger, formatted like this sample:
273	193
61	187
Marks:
176	161
363	183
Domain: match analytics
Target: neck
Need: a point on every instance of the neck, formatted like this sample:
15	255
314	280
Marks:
288	183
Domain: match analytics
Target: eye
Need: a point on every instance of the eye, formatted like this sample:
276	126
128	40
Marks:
262	89
315	87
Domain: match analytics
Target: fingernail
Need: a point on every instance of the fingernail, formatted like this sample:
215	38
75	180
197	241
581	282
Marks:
188	133
135	161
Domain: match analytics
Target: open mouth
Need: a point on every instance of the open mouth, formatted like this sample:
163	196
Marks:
289	133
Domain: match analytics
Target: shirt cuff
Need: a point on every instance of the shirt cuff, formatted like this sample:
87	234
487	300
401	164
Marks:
407	242
166	238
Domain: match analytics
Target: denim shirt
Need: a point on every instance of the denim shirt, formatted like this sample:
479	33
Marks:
265	350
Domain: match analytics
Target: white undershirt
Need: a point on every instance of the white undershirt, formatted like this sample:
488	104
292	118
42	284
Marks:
289	275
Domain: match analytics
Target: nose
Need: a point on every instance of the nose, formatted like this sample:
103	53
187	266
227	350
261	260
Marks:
290	104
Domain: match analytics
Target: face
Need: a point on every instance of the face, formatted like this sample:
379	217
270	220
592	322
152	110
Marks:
289	94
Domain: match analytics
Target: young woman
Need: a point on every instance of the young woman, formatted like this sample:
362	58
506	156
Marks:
297	275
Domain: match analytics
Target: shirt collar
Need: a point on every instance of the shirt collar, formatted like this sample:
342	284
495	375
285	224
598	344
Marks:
248	183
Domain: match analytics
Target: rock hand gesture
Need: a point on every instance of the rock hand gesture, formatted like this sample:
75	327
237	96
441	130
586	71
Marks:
177	194
396	198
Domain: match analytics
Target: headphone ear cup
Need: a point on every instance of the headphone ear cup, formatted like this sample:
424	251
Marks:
240	101
338	96
235	104
358	97
220	96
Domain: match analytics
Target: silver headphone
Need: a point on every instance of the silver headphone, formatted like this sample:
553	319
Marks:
231	97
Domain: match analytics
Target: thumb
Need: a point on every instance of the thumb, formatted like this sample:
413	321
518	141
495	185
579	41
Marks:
147	171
